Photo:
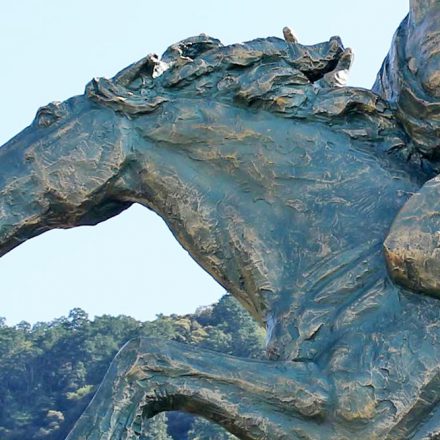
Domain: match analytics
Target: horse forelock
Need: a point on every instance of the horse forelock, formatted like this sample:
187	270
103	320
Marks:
267	73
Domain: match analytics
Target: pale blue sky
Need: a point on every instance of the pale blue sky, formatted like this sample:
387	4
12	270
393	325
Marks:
50	49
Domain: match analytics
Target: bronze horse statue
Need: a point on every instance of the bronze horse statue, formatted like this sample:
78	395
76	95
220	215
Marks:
313	204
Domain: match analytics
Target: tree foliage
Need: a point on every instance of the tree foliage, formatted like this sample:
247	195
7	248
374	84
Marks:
156	429
50	371
203	430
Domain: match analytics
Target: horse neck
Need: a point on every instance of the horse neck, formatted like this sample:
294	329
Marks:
178	174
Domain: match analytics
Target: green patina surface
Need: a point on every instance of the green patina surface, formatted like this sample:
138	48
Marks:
284	185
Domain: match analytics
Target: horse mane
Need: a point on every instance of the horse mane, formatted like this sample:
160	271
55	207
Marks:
283	77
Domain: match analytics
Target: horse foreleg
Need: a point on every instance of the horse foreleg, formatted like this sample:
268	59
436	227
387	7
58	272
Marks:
253	399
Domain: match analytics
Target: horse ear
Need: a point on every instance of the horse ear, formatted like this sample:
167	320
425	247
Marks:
149	67
412	248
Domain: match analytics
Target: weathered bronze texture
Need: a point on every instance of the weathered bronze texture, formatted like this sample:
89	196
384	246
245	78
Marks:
295	193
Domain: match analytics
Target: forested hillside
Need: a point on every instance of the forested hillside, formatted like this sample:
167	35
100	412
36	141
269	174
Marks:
50	371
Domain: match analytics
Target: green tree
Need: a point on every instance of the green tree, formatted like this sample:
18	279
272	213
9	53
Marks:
204	430
156	428
77	317
232	330
49	371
